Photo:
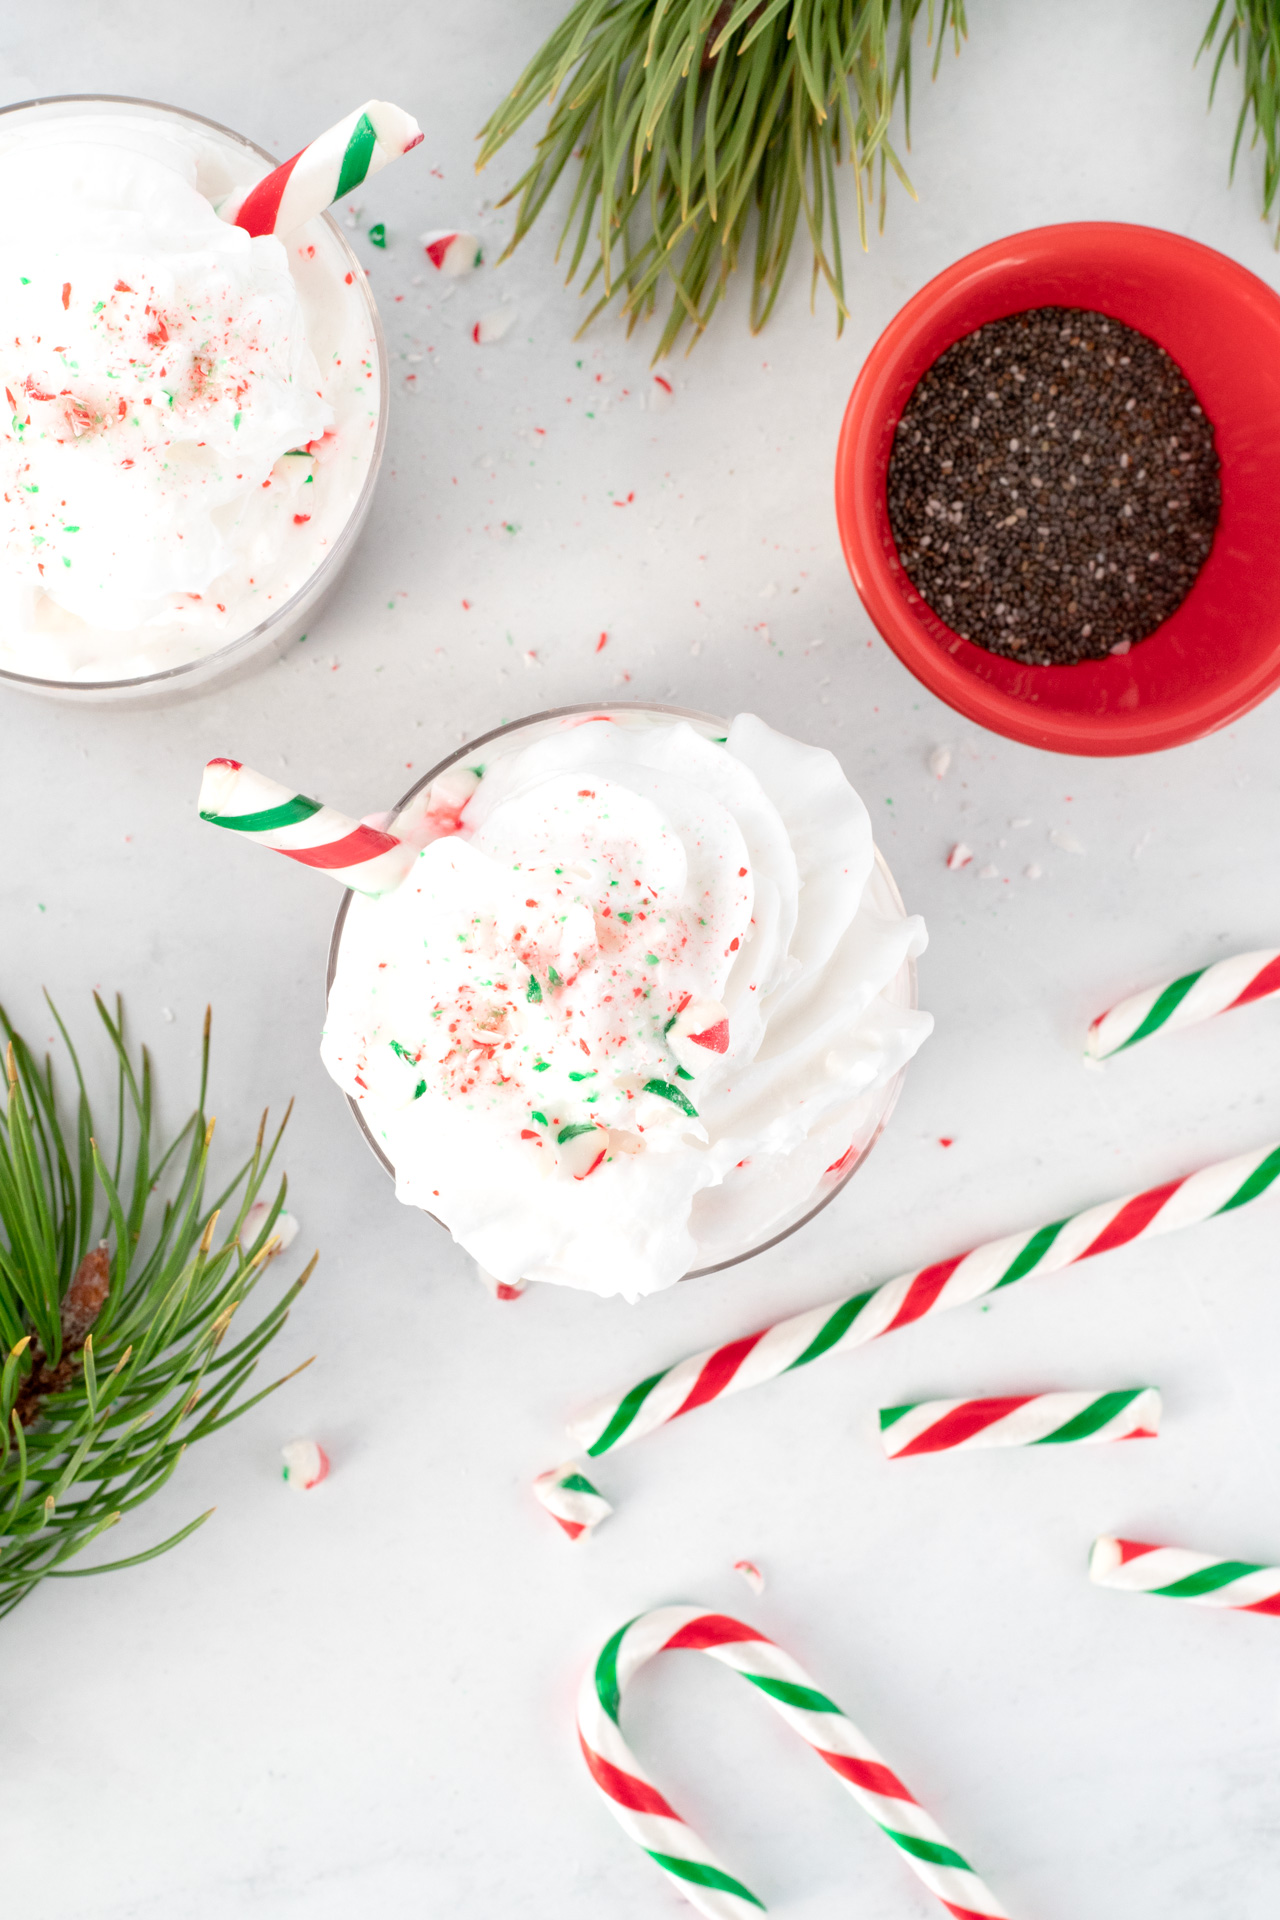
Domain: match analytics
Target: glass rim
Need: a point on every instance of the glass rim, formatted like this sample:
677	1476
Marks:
893	1089
222	657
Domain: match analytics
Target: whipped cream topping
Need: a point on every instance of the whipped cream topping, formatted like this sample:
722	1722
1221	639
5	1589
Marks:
637	968
175	458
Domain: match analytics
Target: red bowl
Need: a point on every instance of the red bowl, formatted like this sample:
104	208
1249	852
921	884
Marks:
1219	654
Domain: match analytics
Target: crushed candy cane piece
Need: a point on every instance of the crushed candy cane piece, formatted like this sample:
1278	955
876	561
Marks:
939	761
500	1289
751	1574
959	856
377	235
571	1500
453	254
283	1233
698	1034
492	326
1033	872
662	395
305	1465
1062	837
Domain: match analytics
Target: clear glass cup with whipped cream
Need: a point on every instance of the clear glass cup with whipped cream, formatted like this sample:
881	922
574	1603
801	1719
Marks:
194	419
643	1005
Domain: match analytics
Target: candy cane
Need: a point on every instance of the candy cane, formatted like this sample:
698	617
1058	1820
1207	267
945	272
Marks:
852	1323
246	802
1183	1002
649	1819
334	164
1178	1575
571	1500
1027	1420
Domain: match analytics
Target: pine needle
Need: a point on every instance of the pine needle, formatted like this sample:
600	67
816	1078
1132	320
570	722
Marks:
692	119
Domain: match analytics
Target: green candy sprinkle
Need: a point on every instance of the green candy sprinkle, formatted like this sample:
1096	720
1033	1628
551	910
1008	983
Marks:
378	235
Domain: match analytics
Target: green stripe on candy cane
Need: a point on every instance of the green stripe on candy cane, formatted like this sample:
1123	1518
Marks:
268	821
701	1875
1173	996
796	1342
1208	1580
1103	1409
356	158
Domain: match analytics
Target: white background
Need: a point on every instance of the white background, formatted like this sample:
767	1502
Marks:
360	1702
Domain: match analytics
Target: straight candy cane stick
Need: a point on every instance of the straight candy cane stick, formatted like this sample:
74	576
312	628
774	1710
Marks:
653	1823
1027	1420
951	1283
333	165
365	858
1178	1575
1184	1002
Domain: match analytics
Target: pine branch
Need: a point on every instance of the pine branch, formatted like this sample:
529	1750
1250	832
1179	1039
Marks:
117	1290
692	119
1249	30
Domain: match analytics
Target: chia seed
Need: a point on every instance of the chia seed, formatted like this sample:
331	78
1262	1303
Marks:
1053	487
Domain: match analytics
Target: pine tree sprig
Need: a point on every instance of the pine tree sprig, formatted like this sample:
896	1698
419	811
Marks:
119	1283
1249	30
691	118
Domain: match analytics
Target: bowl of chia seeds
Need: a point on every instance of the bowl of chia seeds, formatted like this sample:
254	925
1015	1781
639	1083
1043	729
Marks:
1058	487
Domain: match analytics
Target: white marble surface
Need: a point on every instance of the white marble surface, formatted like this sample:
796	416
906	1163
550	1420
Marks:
360	1702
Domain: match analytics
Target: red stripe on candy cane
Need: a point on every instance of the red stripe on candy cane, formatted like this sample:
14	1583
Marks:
1268	981
1264	1606
923	1291
962	1423
1131	1220
717	1373
1133	1550
871	1775
711	1630
257	214
364	844
636	1795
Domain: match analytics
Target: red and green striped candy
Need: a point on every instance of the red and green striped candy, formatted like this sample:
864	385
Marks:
333	165
652	1822
806	1337
1234	1585
234	797
1020	1420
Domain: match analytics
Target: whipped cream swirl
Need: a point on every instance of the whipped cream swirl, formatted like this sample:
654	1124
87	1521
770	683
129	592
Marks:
169	443
639	969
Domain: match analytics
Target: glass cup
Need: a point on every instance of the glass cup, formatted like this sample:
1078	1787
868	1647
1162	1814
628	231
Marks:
237	162
722	1242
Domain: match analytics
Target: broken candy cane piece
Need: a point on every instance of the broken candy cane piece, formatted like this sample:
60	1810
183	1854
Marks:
453	254
305	1465
939	761
581	1148
500	1289
751	1574
283	1233
960	855
571	1500
492	326
699	1034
